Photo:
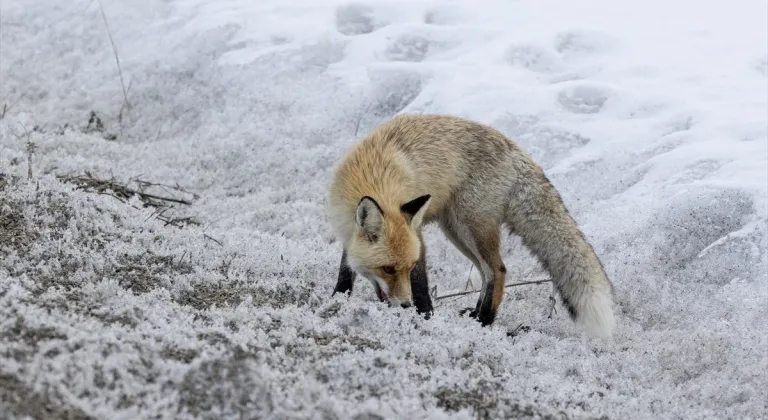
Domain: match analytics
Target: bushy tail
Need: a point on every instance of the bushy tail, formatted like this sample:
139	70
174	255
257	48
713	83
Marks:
538	215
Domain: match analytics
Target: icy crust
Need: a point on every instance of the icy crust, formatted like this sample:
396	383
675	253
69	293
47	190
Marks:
649	118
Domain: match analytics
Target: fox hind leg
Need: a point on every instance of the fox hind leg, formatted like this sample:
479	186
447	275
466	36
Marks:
494	273
346	278
480	244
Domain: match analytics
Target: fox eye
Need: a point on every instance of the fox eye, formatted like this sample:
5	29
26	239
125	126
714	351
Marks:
388	269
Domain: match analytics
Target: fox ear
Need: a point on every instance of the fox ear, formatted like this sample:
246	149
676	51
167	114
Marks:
369	217
414	209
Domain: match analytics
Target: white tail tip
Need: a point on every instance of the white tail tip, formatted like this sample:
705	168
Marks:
595	313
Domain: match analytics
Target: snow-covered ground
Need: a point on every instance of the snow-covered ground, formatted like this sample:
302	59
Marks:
650	117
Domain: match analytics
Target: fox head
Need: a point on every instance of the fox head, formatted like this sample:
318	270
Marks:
386	246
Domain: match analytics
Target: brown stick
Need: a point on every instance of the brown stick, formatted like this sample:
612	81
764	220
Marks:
508	285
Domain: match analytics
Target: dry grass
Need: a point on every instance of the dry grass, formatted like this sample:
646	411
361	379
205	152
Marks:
123	192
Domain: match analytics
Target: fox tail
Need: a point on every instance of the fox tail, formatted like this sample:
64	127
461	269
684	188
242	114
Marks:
538	215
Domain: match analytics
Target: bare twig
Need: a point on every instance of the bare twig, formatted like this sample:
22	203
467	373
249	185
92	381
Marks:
126	104
7	107
184	254
157	197
508	285
143	185
205	235
30	149
180	221
520	328
357	125
364	111
469	279
552	301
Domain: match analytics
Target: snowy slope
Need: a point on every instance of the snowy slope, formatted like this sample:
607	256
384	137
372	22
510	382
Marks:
651	118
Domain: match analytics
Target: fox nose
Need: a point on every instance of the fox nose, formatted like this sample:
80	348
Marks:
406	304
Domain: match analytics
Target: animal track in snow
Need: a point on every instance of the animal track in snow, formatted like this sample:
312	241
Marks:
391	91
442	16
698	170
356	19
576	43
546	144
584	99
665	145
614	178
394	90
533	58
678	125
408	48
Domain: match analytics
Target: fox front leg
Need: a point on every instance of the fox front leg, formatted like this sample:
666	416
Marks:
420	288
346	277
422	300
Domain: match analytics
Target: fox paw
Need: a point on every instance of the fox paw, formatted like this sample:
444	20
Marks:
485	318
426	313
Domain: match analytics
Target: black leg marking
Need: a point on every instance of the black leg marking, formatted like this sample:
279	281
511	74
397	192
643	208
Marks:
420	287
485	313
346	276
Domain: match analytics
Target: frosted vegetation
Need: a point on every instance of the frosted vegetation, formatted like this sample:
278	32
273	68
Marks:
649	117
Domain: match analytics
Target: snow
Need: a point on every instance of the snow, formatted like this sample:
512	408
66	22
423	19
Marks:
651	119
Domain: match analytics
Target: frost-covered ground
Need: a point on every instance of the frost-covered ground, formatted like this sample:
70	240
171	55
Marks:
649	117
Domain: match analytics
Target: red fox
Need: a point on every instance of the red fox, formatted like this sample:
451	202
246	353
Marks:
470	179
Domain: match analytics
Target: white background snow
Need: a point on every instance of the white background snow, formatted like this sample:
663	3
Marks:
650	117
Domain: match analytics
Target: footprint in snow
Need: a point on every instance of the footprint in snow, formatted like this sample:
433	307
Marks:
584	99
697	171
581	43
357	19
679	125
390	92
533	58
413	48
443	16
546	143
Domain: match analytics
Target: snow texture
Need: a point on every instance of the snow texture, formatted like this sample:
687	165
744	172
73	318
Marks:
649	117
